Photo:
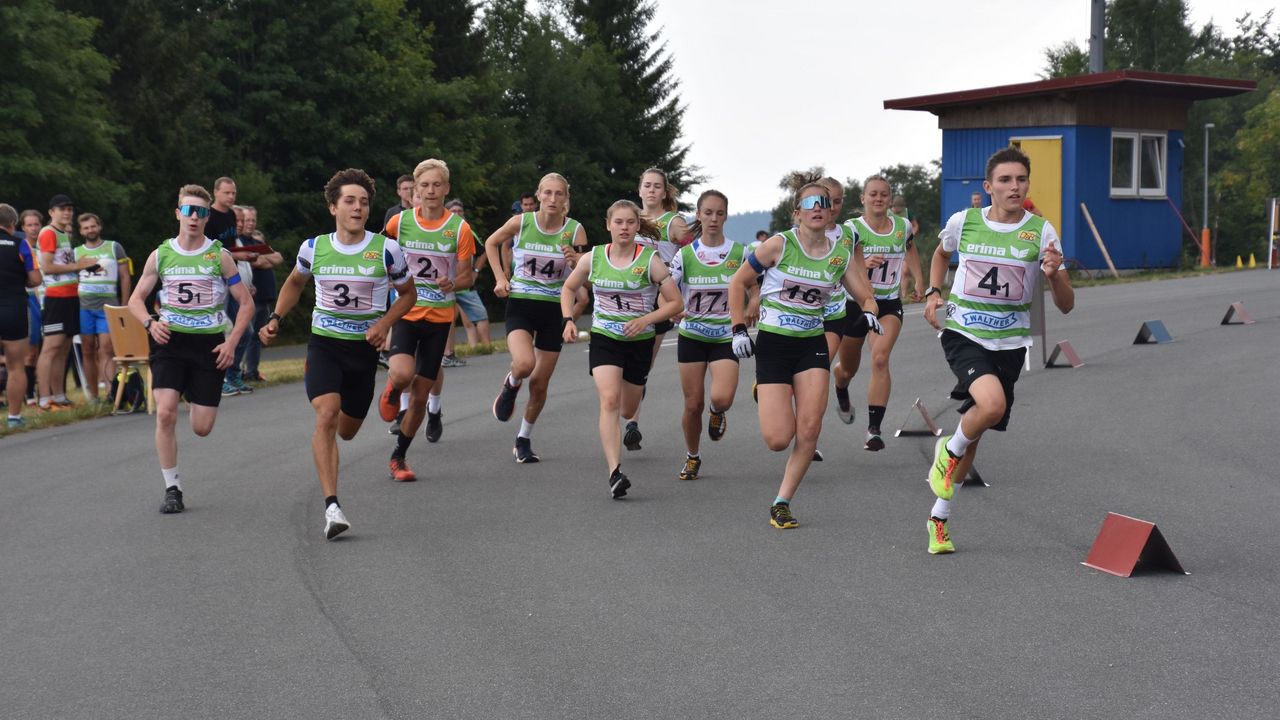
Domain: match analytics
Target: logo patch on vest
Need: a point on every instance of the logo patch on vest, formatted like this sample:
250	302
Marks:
370	254
995	322
211	256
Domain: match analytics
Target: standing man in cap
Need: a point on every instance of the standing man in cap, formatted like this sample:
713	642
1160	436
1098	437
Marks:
61	313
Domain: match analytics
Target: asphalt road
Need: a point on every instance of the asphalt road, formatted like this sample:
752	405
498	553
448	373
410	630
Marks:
493	590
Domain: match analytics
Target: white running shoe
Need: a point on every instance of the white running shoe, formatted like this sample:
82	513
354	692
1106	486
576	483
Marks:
335	523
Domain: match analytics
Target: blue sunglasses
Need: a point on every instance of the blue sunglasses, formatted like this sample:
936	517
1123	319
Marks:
199	211
815	201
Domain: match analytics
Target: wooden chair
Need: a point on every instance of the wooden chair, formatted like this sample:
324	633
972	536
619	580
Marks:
132	346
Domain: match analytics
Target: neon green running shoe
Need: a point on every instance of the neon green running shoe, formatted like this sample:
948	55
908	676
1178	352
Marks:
941	474
939	538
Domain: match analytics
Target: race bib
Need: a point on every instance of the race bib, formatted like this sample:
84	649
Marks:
543	268
624	302
887	275
191	294
985	280
799	293
346	295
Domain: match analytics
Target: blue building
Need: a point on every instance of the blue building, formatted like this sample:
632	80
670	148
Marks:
1112	141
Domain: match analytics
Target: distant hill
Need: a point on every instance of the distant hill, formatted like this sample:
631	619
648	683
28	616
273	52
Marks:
742	227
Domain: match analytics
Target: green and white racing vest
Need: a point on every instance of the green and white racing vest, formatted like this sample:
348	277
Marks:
836	306
705	289
431	255
796	290
990	300
539	268
193	293
105	281
662	244
351	287
622	294
886	280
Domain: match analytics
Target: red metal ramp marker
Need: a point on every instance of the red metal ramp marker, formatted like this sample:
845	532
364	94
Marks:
931	428
1237	311
1067	352
1124	543
1152	331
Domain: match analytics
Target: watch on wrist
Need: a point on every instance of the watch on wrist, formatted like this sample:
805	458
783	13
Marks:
932	291
566	320
147	325
274	316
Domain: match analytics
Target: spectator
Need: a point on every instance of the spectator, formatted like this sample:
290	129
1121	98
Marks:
226	219
17	270
975	200
31	221
105	282
404	190
61	312
471	309
264	288
528	202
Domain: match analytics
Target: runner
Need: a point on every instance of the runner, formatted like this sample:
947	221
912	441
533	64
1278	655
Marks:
17	271
353	269
890	254
541	244
438	246
801	268
106	282
626	277
658	205
702	270
191	351
986	327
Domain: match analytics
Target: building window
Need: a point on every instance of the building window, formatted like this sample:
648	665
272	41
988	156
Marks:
1138	164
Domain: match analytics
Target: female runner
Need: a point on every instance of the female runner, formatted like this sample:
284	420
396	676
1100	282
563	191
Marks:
702	271
658	205
801	268
626	278
541	247
886	241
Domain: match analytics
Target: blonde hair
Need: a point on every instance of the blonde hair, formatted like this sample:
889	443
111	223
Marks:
833	186
647	227
553	176
431	164
877	178
672	192
194	191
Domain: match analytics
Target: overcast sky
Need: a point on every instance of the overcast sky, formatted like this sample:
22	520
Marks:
775	85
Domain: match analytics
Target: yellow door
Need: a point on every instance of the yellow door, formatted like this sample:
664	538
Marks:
1046	174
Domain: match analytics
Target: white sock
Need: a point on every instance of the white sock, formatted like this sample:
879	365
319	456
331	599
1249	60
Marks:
171	478
959	442
526	429
512	382
433	403
404	401
693	455
45	400
941	509
60	398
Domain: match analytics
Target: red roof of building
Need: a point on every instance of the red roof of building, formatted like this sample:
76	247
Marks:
1138	82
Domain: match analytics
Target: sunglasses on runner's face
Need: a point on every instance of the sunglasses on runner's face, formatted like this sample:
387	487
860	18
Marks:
199	211
815	201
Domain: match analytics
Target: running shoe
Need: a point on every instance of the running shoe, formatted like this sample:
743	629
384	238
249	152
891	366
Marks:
388	403
395	424
452	361
335	523
941	473
632	437
524	451
691	467
229	390
505	403
844	408
716	425
435	426
618	483
14	423
242	387
939	539
255	377
172	501
400	471
780	517
384	361
875	443
817	455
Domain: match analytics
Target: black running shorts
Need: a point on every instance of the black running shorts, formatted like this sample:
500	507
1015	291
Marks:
692	350
779	358
970	361
13	322
61	316
424	340
188	364
540	318
633	356
346	367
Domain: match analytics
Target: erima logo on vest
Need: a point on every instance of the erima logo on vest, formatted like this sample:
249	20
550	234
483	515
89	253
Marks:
609	283
333	270
706	279
424	245
187	270
805	272
985	249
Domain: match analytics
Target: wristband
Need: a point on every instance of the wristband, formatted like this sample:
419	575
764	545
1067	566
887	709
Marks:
566	320
740	327
931	291
274	316
147	325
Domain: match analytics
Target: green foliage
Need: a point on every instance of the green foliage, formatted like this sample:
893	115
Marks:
1065	60
1149	35
57	134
